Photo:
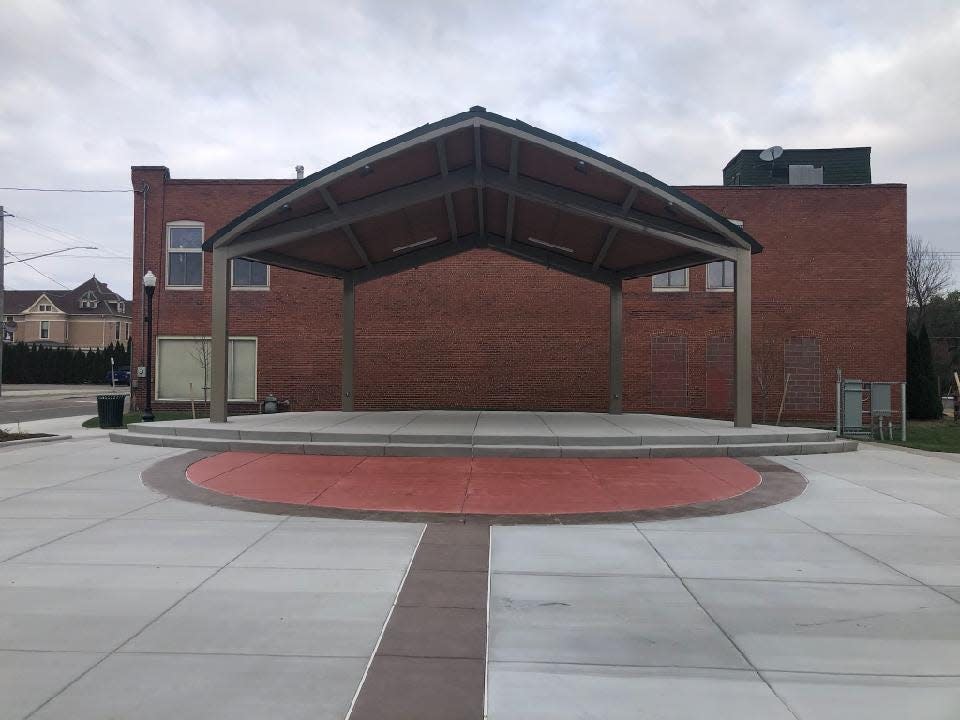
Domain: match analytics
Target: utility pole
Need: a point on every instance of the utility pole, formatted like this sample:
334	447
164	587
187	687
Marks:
3	318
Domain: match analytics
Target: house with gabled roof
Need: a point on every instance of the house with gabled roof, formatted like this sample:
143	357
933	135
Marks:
90	315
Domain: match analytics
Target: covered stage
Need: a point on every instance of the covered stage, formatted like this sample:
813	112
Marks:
478	180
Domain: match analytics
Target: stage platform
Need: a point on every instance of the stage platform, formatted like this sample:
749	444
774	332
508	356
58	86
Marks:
453	433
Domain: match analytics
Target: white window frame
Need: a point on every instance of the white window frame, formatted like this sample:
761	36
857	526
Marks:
44	307
724	288
42	329
684	288
256	365
721	288
167	253
249	288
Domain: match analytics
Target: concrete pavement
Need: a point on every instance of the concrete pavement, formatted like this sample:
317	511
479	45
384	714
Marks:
843	603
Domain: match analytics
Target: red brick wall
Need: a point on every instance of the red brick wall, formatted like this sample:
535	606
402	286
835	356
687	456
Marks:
483	330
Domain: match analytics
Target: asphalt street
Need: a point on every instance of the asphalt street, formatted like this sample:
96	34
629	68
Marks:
25	403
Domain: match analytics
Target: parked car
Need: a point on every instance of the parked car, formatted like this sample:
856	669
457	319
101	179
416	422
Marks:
118	376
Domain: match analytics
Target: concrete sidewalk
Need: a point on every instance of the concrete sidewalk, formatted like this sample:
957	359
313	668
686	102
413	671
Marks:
116	601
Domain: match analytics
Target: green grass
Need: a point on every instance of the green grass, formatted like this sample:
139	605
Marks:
936	435
135	417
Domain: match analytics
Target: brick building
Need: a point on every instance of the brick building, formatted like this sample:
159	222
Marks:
89	316
486	329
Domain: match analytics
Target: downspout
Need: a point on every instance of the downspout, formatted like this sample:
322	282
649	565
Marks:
143	271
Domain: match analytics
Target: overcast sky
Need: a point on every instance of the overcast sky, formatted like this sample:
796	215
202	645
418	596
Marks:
250	89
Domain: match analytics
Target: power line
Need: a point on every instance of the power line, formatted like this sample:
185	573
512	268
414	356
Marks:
71	236
48	277
95	257
64	190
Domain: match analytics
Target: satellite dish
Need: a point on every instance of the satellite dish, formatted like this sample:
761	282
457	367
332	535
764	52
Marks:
771	153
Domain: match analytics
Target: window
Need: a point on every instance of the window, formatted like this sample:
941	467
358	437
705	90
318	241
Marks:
120	307
673	280
249	274
185	361
127	333
185	255
44	329
116	331
720	275
44	307
88	301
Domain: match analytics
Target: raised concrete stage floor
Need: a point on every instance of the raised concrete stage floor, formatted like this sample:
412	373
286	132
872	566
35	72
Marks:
484	434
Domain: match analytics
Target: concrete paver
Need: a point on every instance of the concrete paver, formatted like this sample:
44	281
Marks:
587	550
85	608
768	556
837	627
154	542
27	679
931	560
334	547
525	691
860	642
115	600
608	620
272	611
210	687
816	696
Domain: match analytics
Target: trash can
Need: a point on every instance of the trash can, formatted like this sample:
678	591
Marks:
110	410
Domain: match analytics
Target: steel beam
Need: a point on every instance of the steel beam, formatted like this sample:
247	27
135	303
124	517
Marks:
220	337
512	199
347	230
291	263
478	178
612	231
583	205
743	385
616	348
661	266
552	260
346	359
447	197
415	258
382	203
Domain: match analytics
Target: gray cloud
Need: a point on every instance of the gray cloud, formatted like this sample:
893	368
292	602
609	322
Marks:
249	89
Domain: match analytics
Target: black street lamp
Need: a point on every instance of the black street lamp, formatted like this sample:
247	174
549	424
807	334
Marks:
149	284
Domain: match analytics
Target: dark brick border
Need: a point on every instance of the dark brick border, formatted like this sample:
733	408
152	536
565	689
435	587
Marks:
778	484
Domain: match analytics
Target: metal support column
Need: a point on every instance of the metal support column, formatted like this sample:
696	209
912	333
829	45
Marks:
220	336
743	407
346	381
616	347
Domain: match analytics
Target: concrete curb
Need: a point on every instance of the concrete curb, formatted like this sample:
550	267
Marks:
165	438
30	441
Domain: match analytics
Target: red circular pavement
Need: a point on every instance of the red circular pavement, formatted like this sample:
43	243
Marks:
482	486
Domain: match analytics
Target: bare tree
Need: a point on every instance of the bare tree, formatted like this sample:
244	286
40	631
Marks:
767	369
928	275
202	354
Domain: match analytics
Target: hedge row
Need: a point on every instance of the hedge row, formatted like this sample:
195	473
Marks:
23	363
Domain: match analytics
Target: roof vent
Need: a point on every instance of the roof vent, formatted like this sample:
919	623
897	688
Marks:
478	108
299	170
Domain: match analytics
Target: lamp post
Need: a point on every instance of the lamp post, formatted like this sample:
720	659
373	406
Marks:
149	284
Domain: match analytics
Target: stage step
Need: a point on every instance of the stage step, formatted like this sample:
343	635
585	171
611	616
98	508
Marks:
650	446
